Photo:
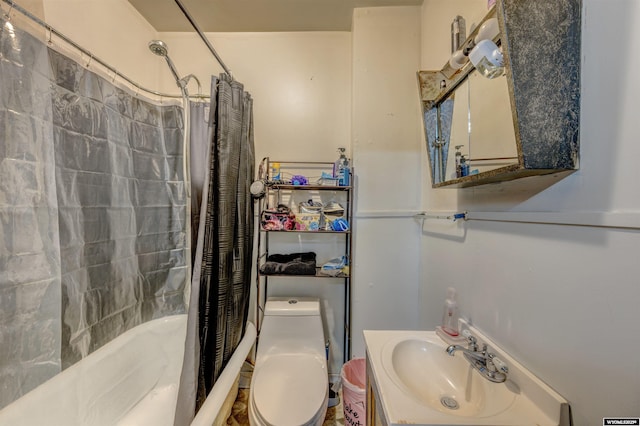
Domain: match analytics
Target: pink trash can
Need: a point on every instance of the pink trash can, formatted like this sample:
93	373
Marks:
354	392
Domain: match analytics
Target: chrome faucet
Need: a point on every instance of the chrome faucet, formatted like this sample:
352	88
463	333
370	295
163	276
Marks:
491	367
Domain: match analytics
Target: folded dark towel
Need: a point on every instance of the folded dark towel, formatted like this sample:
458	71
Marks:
290	264
284	258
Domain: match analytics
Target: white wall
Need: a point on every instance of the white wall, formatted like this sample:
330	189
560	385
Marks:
560	298
112	30
300	83
386	152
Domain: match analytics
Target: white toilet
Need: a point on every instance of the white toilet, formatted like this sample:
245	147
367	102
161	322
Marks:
289	386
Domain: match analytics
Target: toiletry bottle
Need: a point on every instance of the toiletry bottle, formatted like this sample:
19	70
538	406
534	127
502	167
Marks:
339	167
345	172
458	161
275	172
464	166
450	315
338	162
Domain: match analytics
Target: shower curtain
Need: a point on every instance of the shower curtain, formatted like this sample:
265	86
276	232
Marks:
225	229
92	211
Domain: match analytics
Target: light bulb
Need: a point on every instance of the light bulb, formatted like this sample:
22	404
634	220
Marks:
488	59
488	30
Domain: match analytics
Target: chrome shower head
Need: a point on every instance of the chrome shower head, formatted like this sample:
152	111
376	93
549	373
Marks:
159	47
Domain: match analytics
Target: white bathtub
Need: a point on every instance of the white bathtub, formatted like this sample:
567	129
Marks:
132	381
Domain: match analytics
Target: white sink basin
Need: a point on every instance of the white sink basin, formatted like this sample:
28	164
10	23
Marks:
416	382
425	372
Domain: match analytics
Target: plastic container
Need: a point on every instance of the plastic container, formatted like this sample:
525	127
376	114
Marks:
275	171
339	162
353	376
345	173
450	314
341	169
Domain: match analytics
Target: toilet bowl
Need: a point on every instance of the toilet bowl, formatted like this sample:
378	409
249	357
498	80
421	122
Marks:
289	386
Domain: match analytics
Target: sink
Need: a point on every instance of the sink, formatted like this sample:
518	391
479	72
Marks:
413	380
422	369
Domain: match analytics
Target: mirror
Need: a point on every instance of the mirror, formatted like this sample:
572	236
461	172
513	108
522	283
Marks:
482	130
483	126
474	128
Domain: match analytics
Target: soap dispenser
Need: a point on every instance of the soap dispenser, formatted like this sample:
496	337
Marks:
450	314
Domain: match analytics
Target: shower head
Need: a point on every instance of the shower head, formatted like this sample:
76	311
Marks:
158	47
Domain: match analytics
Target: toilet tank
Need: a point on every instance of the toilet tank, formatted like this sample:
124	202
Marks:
292	325
292	306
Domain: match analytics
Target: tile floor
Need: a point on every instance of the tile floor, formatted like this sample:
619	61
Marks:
239	415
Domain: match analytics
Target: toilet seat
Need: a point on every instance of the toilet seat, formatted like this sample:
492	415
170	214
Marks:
290	390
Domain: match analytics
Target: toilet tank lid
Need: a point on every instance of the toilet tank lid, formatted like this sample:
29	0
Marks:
292	306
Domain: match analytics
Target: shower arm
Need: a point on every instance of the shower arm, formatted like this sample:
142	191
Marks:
204	39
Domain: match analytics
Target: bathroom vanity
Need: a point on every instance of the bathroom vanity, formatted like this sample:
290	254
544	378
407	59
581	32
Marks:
413	379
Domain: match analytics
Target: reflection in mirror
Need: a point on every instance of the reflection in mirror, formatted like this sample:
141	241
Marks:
474	129
458	146
483	125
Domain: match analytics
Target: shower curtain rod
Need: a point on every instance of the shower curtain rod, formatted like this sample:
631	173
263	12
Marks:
195	26
92	58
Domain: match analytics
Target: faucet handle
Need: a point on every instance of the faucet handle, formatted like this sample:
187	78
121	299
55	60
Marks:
473	342
500	365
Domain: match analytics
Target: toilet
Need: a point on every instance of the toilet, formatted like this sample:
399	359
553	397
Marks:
289	386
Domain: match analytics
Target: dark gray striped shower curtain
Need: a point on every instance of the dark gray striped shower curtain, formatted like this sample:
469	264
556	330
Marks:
228	234
224	228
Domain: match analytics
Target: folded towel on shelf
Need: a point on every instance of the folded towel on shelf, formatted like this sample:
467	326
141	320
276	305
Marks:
334	267
290	264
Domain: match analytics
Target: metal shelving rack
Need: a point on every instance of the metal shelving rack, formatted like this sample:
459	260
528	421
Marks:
274	191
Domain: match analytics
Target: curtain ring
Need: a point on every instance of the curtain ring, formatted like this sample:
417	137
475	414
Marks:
89	63
50	40
115	74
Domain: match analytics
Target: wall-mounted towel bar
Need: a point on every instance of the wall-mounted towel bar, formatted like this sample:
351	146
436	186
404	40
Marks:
453	216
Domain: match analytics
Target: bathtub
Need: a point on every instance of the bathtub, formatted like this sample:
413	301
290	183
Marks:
132	381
